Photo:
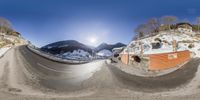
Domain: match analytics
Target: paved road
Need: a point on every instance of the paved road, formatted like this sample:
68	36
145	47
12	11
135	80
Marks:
58	75
103	80
156	84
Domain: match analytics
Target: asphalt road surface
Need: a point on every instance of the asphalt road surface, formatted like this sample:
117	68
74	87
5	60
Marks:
58	75
28	76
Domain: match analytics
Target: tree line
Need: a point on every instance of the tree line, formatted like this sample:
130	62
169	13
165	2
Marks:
151	27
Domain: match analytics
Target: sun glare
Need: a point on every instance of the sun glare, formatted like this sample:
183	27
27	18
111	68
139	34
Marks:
92	40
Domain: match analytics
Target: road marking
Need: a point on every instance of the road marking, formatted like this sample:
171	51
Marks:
43	66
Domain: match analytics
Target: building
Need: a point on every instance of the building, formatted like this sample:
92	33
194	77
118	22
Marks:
159	61
180	27
184	28
16	34
151	56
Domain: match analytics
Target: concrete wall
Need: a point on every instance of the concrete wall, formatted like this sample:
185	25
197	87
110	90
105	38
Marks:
125	58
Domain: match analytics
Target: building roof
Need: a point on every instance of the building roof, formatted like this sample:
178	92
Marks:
184	23
16	33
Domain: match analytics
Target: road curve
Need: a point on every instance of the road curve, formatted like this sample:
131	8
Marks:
58	75
160	83
62	76
107	81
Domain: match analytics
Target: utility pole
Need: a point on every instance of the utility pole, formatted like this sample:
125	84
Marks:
174	46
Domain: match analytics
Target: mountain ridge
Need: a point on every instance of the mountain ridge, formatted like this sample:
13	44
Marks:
63	46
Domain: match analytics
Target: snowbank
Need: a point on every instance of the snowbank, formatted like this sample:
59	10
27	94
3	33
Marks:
3	51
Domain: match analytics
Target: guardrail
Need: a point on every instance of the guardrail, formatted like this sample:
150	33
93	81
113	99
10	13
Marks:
55	58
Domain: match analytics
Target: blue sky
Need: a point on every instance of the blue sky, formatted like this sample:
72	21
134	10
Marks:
111	21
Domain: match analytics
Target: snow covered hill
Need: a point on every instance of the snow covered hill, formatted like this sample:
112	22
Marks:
105	50
105	46
76	55
69	49
104	53
162	43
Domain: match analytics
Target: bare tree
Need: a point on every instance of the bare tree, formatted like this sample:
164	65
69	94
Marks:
5	25
168	20
198	22
153	24
142	30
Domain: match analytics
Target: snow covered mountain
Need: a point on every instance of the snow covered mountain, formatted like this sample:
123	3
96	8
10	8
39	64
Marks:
162	43
105	49
76	55
69	49
109	46
104	53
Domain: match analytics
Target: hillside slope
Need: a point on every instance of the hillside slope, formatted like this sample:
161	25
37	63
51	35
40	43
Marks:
69	49
105	46
162	43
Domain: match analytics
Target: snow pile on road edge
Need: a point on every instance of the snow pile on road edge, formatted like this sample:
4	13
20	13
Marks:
3	51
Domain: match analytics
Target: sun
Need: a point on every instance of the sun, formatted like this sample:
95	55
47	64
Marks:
92	40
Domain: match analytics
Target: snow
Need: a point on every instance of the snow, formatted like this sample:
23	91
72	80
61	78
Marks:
65	45
183	42
76	54
104	53
117	50
195	49
3	50
49	47
57	58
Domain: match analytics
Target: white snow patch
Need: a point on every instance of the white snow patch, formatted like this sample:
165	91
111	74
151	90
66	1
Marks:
183	42
104	53
76	55
4	50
